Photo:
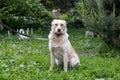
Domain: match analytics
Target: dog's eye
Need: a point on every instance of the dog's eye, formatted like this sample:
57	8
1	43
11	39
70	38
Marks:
61	24
56	24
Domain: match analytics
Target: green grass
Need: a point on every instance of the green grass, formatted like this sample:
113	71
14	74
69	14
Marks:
30	59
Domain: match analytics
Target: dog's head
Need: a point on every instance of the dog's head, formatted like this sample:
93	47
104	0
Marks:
59	26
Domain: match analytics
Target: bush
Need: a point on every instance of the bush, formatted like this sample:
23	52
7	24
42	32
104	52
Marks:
63	5
25	10
72	19
100	20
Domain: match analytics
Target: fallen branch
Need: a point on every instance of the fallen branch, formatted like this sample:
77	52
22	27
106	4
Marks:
21	33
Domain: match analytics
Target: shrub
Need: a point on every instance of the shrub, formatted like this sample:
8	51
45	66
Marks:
100	20
72	19
25	10
64	5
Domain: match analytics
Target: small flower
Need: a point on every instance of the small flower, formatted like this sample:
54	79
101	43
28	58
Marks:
10	49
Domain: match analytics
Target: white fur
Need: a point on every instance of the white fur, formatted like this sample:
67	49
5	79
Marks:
60	48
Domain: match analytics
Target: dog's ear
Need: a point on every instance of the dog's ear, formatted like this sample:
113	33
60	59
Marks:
65	23
52	23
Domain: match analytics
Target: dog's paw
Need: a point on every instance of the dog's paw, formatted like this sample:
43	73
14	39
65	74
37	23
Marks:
74	62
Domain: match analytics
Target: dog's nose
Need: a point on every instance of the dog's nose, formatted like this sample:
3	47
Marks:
59	30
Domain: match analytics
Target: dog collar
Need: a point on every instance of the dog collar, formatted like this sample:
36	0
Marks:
57	35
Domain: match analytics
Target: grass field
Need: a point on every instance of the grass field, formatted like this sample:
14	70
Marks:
30	59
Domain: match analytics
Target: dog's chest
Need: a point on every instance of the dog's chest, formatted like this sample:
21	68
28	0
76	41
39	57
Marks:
57	52
57	42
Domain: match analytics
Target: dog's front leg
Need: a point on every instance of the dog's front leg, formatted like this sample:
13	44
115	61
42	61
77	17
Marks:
51	61
65	57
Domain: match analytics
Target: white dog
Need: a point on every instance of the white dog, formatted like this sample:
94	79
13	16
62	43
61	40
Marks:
60	48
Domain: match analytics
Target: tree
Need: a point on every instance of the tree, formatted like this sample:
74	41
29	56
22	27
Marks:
64	5
100	19
15	13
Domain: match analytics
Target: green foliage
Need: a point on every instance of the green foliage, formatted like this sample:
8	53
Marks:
99	20
64	5
91	45
73	20
32	10
70	18
30	59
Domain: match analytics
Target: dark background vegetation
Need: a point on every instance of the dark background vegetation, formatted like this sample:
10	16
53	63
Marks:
29	59
100	16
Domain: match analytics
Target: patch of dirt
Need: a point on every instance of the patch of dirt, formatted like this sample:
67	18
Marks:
81	53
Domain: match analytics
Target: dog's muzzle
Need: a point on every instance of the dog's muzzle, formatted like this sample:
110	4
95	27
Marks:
59	30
